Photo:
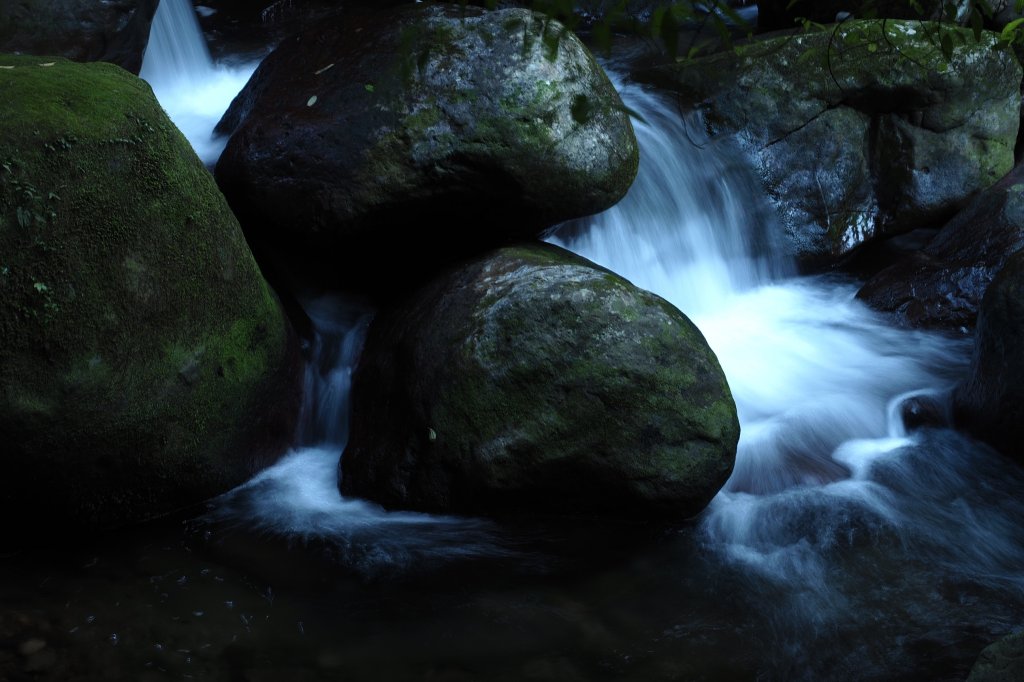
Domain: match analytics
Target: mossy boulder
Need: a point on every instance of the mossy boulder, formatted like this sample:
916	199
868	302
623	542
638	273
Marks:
531	381
863	129
942	285
146	363
356	137
84	30
1002	661
990	403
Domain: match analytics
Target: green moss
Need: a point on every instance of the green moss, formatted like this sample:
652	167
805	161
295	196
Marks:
130	263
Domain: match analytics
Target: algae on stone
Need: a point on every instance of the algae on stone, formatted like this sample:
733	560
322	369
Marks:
532	381
139	338
863	129
487	126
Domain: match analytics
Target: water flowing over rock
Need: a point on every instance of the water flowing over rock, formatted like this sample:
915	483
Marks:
147	365
84	30
532	381
863	129
942	284
353	137
990	403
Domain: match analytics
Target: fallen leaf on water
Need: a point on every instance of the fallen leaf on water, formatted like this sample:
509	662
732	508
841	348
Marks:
311	101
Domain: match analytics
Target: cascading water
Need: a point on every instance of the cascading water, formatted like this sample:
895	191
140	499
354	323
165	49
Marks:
824	464
841	547
193	90
298	497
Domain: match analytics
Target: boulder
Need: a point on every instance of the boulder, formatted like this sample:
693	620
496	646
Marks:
990	403
1002	661
356	137
861	130
84	30
531	381
941	285
146	363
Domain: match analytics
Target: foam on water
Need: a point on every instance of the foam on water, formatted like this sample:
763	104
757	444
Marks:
193	90
824	462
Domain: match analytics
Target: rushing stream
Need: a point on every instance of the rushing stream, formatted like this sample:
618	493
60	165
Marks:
843	547
193	90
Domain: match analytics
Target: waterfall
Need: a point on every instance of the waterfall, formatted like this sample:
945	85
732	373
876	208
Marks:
340	326
193	90
298	497
841	544
809	366
176	52
824	461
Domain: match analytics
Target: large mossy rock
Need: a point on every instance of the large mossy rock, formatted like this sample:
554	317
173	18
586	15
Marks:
990	403
357	138
84	30
532	381
1002	661
942	284
146	364
863	129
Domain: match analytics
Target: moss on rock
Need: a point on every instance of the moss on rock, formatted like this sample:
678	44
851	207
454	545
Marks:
358	135
532	381
864	129
140	341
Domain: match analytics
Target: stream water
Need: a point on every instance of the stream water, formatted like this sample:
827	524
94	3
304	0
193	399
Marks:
843	547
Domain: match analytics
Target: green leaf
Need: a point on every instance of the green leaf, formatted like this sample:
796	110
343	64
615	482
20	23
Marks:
976	25
41	288
369	87
1009	32
946	45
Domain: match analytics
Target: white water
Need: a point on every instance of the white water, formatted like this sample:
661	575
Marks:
193	90
298	497
838	528
824	461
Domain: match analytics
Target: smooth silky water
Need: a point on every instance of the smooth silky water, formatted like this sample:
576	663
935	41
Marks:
841	548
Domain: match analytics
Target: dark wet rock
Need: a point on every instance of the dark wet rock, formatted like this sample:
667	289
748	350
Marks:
1002	661
532	381
240	29
858	133
146	363
990	403
393	142
942	285
922	411
84	30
